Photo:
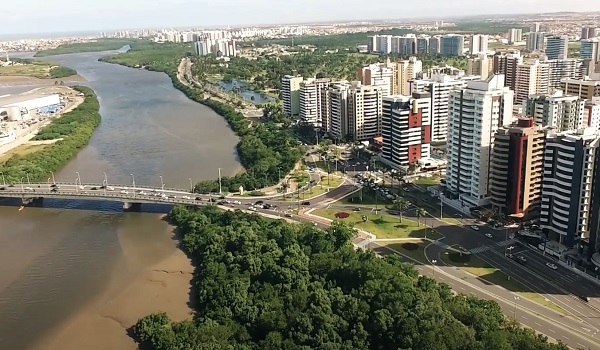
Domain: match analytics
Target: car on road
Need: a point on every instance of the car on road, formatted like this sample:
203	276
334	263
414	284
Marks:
125	192
552	266
186	197
475	227
489	235
405	189
584	298
110	188
305	203
258	202
521	259
356	209
288	215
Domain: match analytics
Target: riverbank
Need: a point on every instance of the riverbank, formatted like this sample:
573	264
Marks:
98	45
104	323
266	150
75	128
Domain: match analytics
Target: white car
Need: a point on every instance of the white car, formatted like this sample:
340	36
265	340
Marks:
185	197
552	266
475	227
125	192
489	235
110	188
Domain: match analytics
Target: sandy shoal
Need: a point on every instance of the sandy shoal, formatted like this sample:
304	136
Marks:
15	80
162	287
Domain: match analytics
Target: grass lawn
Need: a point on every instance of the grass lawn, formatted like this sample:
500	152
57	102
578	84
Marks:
21	151
316	190
484	271
38	70
382	225
428	181
401	248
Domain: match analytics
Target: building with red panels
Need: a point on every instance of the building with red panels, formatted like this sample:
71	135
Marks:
405	129
516	169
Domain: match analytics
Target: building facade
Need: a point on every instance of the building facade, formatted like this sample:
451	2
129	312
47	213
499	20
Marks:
535	41
570	169
560	69
557	47
516	169
558	111
405	130
290	95
452	45
478	44
480	65
313	94
589	49
532	78
475	115
506	64
584	88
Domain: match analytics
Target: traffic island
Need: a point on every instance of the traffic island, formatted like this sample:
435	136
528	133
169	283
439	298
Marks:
383	226
412	251
456	256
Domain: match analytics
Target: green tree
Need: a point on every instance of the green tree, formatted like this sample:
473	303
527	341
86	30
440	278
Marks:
420	212
401	205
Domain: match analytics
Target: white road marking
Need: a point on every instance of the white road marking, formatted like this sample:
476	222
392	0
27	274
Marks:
550	330
566	337
523	317
538	324
582	346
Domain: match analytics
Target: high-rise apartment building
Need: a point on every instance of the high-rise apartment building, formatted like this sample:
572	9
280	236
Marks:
475	115
535	27
439	87
584	88
588	32
378	74
557	47
480	65
590	49
506	64
515	35
570	171
591	113
516	169
407	71
338	111
364	111
218	47
560	69
372	41
558	111
405	130
384	44
478	44
422	44
532	78
534	41
312	97
452	45
290	95
435	47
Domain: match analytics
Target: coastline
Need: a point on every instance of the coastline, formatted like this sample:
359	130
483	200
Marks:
104	322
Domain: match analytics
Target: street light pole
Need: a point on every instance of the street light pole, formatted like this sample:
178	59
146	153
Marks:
191	185
515	308
220	188
433	267
3	180
78	178
105	180
441	206
53	181
22	187
28	182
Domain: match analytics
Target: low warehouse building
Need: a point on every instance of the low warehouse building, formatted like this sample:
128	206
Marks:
17	107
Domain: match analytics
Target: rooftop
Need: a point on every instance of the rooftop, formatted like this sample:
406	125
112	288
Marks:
6	100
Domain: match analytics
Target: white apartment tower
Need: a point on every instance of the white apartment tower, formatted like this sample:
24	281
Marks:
570	171
476	113
531	78
378	74
439	88
312	96
515	35
364	111
405	123
338	111
557	111
290	95
478	44
560	69
557	47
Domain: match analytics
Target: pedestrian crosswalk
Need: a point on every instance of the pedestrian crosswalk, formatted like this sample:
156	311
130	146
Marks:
493	245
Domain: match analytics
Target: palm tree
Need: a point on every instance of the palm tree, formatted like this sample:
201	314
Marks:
401	205
420	212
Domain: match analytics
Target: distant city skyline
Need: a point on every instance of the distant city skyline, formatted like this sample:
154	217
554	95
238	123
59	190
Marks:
38	16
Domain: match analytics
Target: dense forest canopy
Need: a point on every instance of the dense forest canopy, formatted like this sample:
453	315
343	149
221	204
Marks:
264	284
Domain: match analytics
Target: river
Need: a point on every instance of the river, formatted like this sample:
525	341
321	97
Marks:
55	261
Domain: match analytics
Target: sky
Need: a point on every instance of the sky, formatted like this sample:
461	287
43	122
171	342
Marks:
51	16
